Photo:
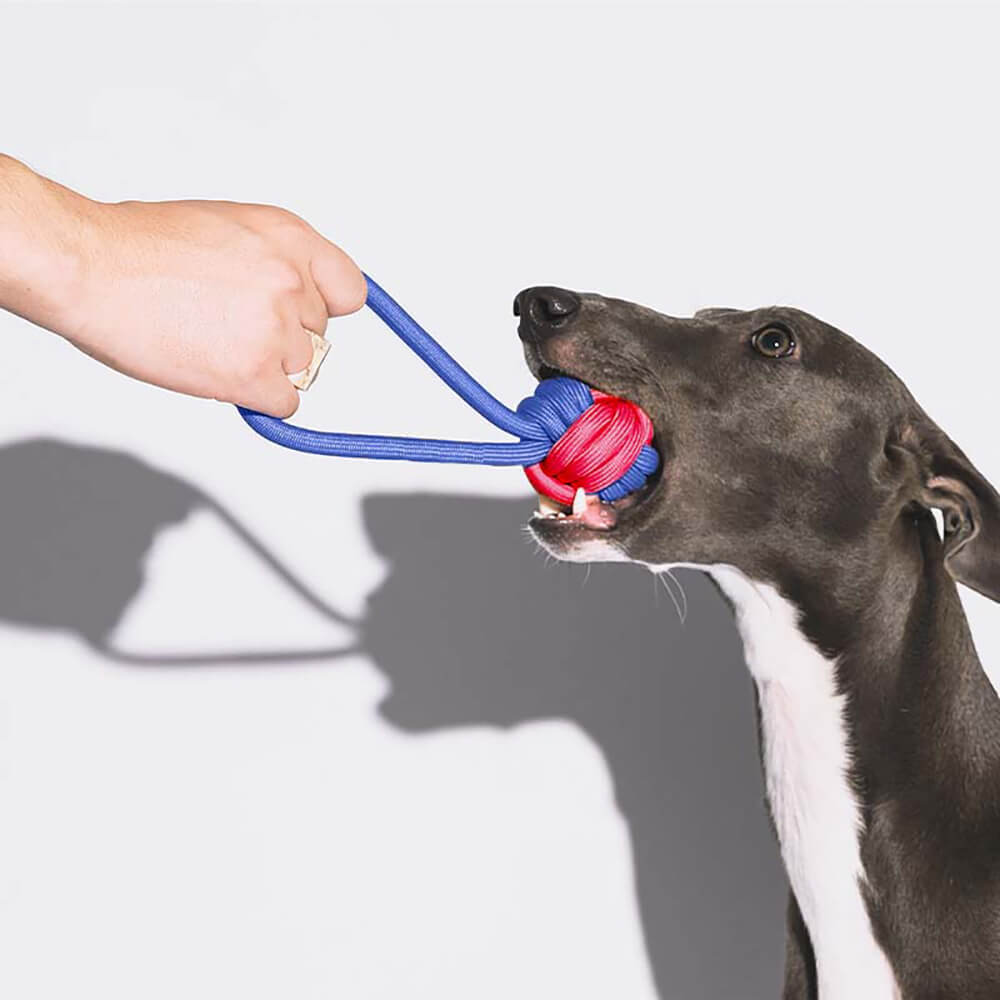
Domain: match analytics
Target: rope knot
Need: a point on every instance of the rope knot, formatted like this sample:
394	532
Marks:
570	436
598	442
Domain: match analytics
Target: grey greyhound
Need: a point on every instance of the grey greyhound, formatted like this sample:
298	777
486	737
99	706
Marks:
801	475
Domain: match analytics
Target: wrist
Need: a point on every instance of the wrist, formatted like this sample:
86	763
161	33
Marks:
48	240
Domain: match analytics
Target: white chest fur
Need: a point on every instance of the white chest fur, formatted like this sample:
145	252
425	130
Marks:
806	756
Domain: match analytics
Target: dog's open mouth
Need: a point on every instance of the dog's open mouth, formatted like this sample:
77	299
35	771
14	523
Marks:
588	511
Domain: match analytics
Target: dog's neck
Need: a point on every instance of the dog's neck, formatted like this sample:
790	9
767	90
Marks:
806	752
878	727
921	711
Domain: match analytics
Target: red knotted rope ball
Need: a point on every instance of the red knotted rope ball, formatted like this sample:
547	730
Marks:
607	445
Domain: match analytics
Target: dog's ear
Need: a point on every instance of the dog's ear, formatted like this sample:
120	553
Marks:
970	507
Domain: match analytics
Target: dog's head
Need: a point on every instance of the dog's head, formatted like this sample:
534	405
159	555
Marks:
789	450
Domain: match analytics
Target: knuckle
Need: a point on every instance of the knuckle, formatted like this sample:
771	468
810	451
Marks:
286	216
283	221
283	277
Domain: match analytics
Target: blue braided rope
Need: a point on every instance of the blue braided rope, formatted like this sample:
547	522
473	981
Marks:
539	421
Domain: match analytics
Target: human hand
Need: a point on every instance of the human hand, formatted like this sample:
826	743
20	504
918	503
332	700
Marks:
209	298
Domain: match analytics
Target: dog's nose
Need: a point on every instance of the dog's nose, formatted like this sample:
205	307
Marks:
543	310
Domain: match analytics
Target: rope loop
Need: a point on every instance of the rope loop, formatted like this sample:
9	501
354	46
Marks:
570	436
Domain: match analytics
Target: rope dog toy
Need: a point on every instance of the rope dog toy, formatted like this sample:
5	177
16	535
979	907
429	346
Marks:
571	437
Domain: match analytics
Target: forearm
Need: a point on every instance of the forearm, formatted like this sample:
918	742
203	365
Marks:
209	298
45	230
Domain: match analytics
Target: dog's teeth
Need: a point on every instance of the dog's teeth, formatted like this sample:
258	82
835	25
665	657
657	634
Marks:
547	507
579	501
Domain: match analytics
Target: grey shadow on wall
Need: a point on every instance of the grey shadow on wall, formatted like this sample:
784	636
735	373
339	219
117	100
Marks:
473	627
76	525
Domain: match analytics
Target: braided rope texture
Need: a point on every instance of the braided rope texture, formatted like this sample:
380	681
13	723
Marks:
570	436
597	442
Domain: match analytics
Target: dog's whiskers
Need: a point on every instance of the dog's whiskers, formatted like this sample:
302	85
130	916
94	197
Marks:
682	605
684	597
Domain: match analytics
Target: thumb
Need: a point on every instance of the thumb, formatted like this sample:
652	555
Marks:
338	279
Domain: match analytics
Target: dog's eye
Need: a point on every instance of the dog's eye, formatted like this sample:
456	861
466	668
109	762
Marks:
773	342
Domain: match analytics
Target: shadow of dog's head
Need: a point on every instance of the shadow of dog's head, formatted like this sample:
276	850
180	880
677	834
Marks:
789	450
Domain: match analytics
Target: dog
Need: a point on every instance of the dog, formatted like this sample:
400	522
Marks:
800	474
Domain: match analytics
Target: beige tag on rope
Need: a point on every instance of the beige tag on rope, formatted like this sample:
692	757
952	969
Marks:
321	347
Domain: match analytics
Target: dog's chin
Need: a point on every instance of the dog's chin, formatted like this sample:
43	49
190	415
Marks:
574	543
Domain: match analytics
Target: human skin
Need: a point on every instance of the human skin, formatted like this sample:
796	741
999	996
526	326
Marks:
209	298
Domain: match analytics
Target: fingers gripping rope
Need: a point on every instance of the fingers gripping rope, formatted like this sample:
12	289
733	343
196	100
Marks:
570	436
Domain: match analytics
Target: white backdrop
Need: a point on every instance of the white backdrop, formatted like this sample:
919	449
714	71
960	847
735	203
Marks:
262	830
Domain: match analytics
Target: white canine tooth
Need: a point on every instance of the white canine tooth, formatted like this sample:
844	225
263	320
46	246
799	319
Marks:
579	501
